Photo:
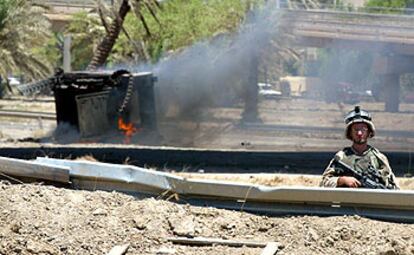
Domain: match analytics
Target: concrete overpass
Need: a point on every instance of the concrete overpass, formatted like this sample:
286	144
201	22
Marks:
60	11
68	6
391	37
316	28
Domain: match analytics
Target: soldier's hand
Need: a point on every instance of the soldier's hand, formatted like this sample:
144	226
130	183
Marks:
348	181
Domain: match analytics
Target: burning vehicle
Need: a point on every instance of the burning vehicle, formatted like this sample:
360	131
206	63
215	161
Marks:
97	103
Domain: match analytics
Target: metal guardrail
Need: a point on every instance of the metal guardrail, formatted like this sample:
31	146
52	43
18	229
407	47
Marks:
28	115
393	205
24	168
34	87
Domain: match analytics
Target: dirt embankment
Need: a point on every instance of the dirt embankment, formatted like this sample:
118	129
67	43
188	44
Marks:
36	219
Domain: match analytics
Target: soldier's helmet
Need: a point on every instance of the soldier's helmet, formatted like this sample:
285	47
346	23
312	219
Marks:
355	116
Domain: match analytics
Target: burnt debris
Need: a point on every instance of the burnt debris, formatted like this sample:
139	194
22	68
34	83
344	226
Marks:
93	102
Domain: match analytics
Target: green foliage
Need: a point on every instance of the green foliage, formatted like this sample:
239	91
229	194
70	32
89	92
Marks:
86	31
386	3
4	6
51	50
389	6
22	28
181	23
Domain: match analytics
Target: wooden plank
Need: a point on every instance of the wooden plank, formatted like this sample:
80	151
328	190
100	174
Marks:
23	168
118	250
270	249
212	241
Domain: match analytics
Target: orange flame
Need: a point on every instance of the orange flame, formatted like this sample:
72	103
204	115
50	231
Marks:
128	129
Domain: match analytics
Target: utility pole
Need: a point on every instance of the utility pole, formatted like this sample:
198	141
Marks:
66	53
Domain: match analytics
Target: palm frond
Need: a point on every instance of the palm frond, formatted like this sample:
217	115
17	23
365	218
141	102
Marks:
151	10
16	44
103	20
120	9
136	7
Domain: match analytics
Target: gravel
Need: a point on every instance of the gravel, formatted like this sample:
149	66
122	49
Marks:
38	219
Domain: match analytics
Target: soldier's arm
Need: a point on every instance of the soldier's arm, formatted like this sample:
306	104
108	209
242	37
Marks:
328	177
387	173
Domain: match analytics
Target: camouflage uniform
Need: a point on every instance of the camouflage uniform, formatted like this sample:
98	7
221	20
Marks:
371	157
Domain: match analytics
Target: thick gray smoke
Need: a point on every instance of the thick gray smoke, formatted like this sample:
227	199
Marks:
211	73
347	75
217	72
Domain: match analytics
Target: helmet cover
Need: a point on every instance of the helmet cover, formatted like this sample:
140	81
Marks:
358	116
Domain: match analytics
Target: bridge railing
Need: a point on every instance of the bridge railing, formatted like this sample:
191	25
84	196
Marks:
71	3
349	8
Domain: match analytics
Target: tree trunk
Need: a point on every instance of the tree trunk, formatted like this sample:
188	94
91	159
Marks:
105	47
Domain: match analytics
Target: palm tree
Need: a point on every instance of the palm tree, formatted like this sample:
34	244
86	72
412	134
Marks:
22	27
120	9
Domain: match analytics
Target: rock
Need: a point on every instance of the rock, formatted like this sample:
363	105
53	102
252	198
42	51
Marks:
230	225
182	226
389	251
165	251
140	222
99	212
119	250
346	235
15	227
356	217
35	247
311	236
329	241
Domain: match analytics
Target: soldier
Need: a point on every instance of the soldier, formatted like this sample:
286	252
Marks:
360	156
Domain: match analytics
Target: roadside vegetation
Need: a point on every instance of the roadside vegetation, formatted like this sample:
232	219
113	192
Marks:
23	33
147	33
390	6
33	50
178	24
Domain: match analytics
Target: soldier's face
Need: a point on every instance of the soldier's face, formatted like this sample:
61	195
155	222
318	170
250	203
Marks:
360	133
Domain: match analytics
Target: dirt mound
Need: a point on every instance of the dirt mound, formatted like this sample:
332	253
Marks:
37	219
